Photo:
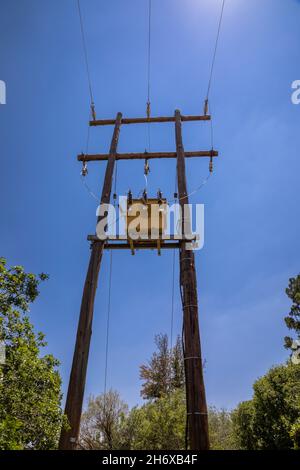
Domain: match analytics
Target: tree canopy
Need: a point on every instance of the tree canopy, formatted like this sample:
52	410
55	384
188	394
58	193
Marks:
102	424
30	396
271	420
165	371
292	320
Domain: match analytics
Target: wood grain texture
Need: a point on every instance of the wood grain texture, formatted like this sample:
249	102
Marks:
197	418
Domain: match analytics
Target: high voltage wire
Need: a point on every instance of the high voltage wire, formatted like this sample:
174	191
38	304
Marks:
85	52
148	109
149	50
215	49
211	74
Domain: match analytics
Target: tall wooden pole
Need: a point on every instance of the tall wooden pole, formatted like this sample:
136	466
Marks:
68	439
197	419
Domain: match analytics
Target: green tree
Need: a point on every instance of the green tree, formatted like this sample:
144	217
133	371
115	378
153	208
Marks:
221	432
293	319
157	374
30	396
165	371
271	419
102	424
177	366
242	418
159	424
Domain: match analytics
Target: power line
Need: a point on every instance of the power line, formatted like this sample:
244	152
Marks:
148	109
84	46
206	105
149	56
215	49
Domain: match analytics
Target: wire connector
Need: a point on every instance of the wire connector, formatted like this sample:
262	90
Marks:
146	167
93	111
206	107
148	110
211	163
145	197
159	197
84	170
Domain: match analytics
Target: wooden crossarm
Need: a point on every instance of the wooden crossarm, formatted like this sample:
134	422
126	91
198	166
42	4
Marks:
144	155
144	120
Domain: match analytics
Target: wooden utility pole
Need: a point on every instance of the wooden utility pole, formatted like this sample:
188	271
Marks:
197	418
68	439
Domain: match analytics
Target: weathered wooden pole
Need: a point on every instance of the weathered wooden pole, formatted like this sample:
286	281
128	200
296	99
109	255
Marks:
197	419
68	439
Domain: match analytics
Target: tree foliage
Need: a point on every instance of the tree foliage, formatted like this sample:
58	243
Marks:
165	371
293	319
102	424
156	425
177	378
159	424
30	396
271	419
242	418
221	432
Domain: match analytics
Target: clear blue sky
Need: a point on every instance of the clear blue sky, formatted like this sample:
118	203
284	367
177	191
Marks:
251	203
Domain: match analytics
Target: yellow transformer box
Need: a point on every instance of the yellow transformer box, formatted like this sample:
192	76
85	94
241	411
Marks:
146	222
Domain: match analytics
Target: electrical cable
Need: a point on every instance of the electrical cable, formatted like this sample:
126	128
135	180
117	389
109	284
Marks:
148	109
149	51
84	45
212	71
215	49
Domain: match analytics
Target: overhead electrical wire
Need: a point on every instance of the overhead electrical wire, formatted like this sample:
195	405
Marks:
85	52
149	54
215	49
207	104
148	108
92	103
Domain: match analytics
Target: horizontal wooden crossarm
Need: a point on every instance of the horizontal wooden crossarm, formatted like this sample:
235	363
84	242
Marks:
148	155
143	120
141	246
94	238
